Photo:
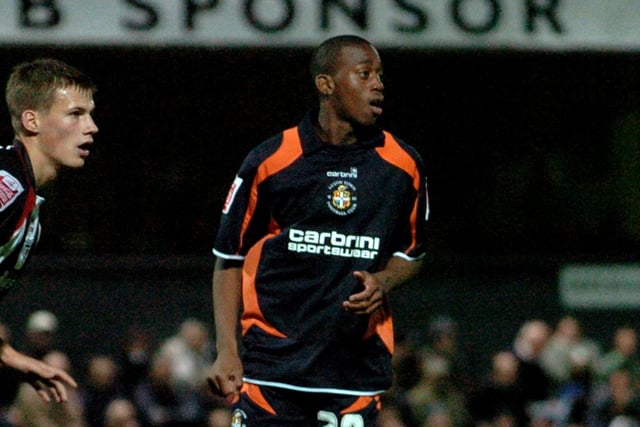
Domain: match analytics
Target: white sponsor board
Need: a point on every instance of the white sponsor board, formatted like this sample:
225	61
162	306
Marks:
460	24
595	286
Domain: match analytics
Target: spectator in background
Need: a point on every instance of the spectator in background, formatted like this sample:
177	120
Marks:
528	346
121	412
134	359
576	393
41	333
391	416
190	353
569	358
621	402
50	104
102	384
444	340
156	397
436	393
569	350
33	412
623	354
440	416
499	400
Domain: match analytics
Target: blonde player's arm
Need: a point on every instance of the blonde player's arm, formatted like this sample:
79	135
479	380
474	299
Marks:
48	381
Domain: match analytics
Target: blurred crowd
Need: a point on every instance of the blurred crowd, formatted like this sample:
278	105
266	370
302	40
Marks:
548	375
138	385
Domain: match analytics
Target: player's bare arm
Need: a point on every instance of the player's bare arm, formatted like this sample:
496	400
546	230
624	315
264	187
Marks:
49	382
375	285
225	376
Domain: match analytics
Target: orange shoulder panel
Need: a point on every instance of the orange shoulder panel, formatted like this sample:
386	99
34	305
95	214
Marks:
392	153
289	150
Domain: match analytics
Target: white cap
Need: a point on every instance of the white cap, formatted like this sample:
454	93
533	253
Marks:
42	321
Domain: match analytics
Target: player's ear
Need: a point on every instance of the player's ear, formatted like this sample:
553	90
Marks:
324	84
30	122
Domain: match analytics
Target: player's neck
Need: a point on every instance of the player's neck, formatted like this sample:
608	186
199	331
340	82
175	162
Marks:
43	169
334	131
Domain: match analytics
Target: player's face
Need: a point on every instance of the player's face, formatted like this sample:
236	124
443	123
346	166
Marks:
67	129
358	85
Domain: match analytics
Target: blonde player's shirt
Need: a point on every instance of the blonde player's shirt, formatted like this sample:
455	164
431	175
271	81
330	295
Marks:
19	213
302	215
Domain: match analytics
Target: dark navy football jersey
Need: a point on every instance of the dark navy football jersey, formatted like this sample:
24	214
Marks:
302	215
19	213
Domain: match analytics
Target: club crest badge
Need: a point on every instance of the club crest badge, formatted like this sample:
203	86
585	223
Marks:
238	418
342	199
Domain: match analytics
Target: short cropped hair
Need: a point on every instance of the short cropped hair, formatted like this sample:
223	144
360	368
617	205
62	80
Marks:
31	86
324	59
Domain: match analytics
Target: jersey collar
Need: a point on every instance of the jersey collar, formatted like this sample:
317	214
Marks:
371	136
24	158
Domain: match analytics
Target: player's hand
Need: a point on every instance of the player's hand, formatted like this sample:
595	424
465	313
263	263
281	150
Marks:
225	377
48	381
369	299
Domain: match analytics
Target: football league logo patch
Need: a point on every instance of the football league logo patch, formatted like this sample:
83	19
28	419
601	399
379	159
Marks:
342	199
233	190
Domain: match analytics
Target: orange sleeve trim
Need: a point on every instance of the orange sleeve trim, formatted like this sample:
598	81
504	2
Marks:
255	394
